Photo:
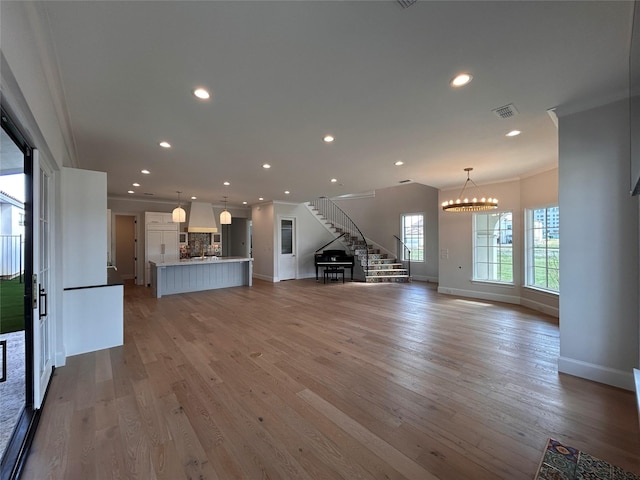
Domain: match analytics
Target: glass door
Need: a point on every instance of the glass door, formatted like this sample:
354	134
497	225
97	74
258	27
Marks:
16	329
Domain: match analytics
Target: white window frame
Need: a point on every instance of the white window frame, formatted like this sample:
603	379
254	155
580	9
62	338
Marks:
405	238
492	257
530	230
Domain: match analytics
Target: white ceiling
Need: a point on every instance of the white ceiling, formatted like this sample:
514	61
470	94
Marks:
285	73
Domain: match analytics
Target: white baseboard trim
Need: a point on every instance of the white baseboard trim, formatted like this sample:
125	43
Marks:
597	373
424	278
496	297
266	278
61	358
540	307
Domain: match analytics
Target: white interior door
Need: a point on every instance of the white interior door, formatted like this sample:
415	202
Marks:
42	316
287	261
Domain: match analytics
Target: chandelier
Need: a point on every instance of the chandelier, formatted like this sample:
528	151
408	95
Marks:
464	204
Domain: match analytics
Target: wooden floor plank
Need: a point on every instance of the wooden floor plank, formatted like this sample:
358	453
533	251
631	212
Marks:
310	381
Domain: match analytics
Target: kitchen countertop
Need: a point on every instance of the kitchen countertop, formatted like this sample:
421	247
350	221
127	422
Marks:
200	260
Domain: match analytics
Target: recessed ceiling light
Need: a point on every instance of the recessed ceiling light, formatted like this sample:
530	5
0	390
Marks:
461	80
266	165
131	191
194	198
287	192
513	133
334	180
398	163
165	144
261	199
201	93
328	138
135	184
146	172
244	203
226	183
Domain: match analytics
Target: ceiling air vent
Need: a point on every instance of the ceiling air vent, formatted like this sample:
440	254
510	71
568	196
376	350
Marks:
406	3
507	111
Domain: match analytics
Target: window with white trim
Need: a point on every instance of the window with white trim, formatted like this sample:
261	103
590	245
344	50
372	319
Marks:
542	246
413	236
493	247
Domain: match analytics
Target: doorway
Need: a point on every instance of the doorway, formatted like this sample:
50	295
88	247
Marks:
16	294
125	246
287	261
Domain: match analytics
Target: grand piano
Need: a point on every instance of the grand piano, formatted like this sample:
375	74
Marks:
333	259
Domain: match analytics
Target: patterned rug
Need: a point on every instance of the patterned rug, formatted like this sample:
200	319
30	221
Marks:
561	462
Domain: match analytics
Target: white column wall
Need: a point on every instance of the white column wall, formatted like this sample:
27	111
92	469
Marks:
599	260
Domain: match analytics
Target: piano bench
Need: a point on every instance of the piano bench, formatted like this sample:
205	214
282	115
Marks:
332	274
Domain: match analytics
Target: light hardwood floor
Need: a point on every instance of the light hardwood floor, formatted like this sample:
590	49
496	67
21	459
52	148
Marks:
299	380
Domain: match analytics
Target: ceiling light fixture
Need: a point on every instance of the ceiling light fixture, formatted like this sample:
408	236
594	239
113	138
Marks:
513	133
165	144
244	203
328	138
461	80
179	215
398	163
266	165
464	204
146	172
226	184
201	93
225	216
131	191
135	184
287	192
334	180
194	198
261	199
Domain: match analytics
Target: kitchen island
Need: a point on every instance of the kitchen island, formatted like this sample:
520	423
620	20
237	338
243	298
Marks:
196	274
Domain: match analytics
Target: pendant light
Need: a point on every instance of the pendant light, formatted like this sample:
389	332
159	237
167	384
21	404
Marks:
178	215
225	216
464	204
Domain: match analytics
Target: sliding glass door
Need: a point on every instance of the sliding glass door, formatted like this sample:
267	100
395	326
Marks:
16	295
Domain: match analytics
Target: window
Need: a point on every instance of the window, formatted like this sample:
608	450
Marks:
542	260
492	247
413	236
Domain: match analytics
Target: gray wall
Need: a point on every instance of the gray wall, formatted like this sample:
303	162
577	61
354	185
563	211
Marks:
379	219
456	243
599	261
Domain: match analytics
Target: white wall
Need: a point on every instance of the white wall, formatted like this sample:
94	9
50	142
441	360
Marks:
599	260
379	219
263	241
456	246
84	225
540	191
28	89
456	243
310	235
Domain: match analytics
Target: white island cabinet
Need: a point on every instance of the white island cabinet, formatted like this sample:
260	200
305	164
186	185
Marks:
198	274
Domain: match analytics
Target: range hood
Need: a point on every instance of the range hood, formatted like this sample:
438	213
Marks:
201	218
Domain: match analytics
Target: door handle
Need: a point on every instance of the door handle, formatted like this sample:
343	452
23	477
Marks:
3	344
43	300
34	289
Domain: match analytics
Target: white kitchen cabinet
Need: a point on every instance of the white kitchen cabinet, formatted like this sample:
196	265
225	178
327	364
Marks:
158	217
161	243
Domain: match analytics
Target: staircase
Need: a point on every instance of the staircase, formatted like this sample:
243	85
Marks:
374	266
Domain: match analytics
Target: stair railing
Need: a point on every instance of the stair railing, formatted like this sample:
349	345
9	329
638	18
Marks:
335	215
406	256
